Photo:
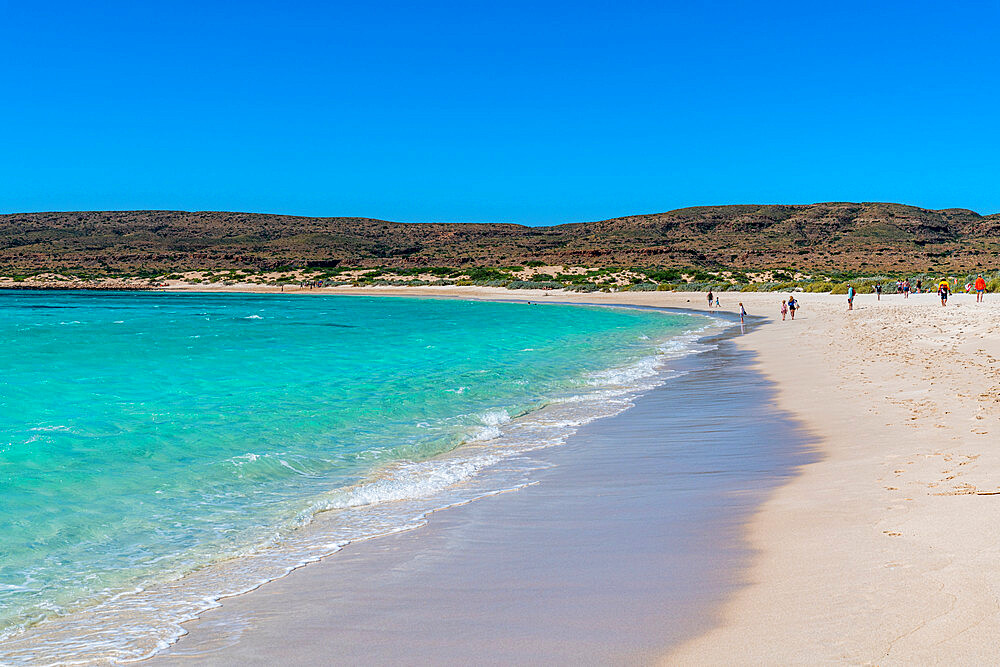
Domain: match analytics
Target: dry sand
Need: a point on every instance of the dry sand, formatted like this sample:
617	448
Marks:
887	550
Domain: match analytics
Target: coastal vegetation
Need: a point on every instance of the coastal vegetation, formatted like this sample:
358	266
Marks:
812	248
536	276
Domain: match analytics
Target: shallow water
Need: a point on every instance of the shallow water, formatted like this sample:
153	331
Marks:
145	437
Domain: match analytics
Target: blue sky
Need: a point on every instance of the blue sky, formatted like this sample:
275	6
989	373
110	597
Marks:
525	112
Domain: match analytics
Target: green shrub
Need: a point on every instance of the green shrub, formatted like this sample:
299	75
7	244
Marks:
483	273
839	288
662	275
534	263
642	287
788	286
534	284
819	286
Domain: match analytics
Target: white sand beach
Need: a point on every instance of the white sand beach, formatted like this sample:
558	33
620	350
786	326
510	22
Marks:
885	550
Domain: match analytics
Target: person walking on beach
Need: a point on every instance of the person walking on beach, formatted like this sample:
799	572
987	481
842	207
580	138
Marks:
850	297
710	298
878	291
784	309
717	301
980	288
943	292
793	305
743	313
906	288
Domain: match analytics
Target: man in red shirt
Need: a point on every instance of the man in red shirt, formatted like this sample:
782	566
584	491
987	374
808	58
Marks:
980	287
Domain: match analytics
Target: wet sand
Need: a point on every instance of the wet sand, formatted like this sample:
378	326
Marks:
626	546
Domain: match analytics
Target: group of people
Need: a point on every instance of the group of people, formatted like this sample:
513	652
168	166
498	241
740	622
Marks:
978	286
791	304
788	307
903	287
944	290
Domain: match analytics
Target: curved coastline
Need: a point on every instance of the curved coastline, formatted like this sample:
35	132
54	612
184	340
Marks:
243	628
314	552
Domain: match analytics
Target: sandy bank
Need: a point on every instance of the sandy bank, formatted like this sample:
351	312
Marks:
885	551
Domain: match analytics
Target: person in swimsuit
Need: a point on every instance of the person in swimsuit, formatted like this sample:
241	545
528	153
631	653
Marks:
980	288
717	302
743	313
784	309
709	298
850	297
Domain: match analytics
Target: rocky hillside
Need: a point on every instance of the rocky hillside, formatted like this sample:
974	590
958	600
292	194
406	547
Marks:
867	237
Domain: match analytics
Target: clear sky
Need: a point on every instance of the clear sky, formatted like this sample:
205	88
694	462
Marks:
531	112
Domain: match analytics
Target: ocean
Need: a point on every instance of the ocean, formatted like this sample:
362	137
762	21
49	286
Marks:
161	451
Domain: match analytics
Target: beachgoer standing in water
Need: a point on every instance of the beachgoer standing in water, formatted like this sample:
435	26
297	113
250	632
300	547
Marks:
709	298
784	309
980	288
850	297
793	305
743	313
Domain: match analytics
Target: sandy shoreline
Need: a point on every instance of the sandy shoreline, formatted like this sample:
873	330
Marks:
884	551
625	543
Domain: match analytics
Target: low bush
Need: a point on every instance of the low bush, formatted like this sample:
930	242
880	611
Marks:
478	273
534	284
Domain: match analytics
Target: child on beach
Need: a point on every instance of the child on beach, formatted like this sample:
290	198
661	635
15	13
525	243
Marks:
784	309
717	302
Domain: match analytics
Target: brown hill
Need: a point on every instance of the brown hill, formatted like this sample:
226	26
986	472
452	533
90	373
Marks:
871	237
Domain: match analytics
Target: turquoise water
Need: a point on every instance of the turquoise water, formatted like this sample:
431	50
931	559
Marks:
144	436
